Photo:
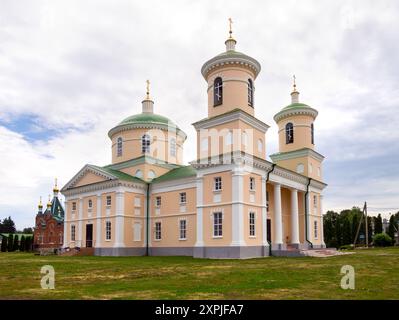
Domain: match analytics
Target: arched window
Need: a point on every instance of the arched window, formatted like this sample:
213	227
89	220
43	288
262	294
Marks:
250	93
289	133
173	147
151	174
145	143
139	174
119	147
218	91
312	132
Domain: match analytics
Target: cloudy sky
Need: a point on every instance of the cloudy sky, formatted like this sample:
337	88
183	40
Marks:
70	70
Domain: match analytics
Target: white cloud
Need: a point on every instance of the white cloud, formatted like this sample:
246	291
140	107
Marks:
80	67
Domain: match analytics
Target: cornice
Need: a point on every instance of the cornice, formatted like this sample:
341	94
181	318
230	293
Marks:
295	112
297	154
231	60
232	116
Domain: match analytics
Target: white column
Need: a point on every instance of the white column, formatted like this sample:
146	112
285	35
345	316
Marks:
294	217
264	213
80	235
238	208
307	199
66	218
321	222
119	222
98	226
200	230
278	222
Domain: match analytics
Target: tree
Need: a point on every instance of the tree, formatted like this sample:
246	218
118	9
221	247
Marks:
392	228
22	244
28	243
4	244
382	240
27	230
346	231
370	228
7	226
15	245
378	224
10	242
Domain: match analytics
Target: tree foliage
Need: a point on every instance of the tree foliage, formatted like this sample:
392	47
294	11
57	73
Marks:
7	226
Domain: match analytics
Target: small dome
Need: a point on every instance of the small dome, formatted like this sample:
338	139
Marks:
146	120
296	108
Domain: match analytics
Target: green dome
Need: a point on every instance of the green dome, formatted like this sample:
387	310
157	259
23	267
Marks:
147	118
296	106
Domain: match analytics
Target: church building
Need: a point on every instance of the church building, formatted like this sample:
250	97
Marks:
229	202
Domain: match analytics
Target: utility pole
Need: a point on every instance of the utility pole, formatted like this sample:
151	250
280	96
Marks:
367	228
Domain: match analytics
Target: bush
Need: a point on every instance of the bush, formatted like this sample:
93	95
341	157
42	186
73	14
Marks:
382	240
22	244
10	241
16	243
346	247
4	244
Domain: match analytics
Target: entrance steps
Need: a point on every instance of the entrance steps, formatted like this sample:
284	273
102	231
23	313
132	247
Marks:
78	252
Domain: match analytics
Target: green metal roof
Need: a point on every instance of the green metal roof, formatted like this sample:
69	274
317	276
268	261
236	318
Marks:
296	106
178	173
147	118
119	174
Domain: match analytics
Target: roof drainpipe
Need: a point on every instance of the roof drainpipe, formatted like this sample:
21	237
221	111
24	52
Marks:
307	213
267	179
147	220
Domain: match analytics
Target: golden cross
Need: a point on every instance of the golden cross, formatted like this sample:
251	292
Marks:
148	89
56	182
230	24
40	200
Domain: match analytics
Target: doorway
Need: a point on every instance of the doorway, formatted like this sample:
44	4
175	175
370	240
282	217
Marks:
89	235
269	230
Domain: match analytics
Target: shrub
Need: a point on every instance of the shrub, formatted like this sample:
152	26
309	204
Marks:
15	246
346	247
10	242
382	240
4	244
22	244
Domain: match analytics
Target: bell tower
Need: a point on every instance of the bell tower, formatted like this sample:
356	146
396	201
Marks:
231	124
297	138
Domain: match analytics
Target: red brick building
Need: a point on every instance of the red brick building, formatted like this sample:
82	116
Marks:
49	225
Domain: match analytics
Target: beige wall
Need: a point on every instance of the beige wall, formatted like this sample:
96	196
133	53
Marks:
216	138
235	92
302	133
308	163
159	145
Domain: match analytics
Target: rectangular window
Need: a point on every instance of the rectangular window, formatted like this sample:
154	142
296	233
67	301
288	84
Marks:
183	197
73	233
218	184
108	200
158	201
158	231
137	202
183	229
267	201
315	229
73	206
252	224
90	203
252	183
108	230
315	204
137	232
217	224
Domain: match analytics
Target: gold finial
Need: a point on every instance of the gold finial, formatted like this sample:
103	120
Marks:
148	89
55	186
49	201
294	83
40	203
231	28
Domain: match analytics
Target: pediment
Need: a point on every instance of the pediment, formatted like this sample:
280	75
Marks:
87	176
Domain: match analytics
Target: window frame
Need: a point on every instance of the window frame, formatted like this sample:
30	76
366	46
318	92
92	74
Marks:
73	232
108	201
119	147
217	184
218	224
252	184
183	229
218	85
74	206
108	230
252	224
90	204
250	93
145	143
158	203
182	198
289	133
315	229
158	230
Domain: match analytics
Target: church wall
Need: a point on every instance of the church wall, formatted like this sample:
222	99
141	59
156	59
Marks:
302	133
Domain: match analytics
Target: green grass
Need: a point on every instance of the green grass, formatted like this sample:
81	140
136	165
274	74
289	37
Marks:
377	277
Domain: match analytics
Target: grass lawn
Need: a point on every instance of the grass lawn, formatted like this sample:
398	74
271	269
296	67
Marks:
377	277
